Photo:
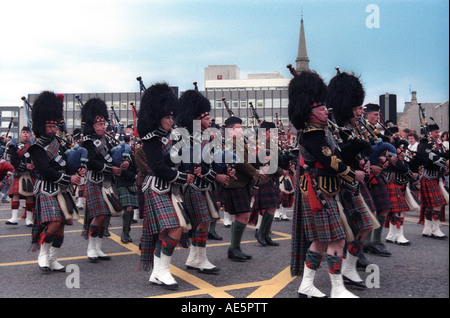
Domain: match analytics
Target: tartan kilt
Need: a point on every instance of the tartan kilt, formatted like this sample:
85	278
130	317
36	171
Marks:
324	225
196	205
237	200
355	210
95	205
364	190
14	187
159	212
46	210
379	193
266	197
397	197
430	193
127	198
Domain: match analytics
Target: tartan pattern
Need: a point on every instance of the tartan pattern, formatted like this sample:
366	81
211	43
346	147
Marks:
236	200
196	205
364	190
127	198
430	193
354	247
313	260
324	225
95	205
379	193
266	197
397	197
47	209
14	187
199	238
334	264
357	216
168	245
160	211
299	244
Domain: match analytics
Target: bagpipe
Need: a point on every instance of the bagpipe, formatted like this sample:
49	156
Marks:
120	153
255	114
230	112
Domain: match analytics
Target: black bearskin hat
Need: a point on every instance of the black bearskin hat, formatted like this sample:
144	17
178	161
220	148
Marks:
306	91
93	110
46	108
159	100
192	105
345	92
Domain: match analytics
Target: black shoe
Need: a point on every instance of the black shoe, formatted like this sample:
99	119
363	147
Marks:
352	283
236	255
214	236
245	255
362	261
377	249
261	240
270	242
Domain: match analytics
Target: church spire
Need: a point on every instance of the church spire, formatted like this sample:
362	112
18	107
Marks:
302	58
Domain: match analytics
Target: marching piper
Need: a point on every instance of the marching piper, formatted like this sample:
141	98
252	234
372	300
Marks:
345	97
433	194
318	227
51	211
101	198
198	196
164	218
23	178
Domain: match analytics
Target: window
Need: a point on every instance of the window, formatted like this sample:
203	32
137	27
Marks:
243	104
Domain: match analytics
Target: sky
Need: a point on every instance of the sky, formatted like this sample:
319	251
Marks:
88	46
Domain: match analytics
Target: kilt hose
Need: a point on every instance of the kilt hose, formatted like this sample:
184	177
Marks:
196	206
430	193
379	194
357	215
46	210
237	200
127	198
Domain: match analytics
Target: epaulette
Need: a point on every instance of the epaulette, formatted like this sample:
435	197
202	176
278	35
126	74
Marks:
313	128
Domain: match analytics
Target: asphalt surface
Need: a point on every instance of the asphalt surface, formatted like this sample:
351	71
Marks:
420	270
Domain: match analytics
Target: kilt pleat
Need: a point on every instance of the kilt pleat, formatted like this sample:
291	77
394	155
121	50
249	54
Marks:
430	193
95	205
355	210
46	210
397	197
379	194
324	225
236	200
127	198
266	197
196	205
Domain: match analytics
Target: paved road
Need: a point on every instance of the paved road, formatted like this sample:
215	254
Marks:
420	270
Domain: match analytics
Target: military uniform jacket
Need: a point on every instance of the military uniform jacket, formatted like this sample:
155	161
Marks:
49	159
322	160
